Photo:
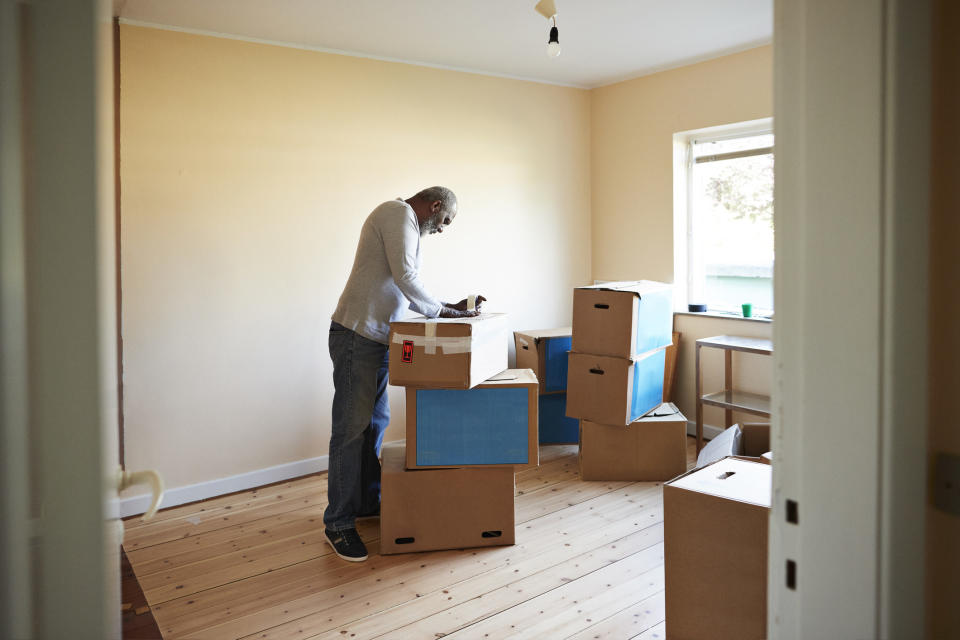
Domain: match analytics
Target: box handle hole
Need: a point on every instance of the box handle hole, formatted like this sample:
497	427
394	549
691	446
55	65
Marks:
601	306
526	348
491	534
599	372
725	475
404	540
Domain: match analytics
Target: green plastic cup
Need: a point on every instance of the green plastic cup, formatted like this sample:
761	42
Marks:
747	309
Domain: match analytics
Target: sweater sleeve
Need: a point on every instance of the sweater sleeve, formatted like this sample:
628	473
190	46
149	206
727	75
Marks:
400	241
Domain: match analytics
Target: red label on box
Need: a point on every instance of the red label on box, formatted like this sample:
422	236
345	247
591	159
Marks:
407	354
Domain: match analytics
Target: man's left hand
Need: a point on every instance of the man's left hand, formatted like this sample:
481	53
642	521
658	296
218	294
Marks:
462	305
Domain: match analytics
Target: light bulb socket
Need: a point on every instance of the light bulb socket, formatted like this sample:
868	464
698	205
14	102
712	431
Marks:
554	35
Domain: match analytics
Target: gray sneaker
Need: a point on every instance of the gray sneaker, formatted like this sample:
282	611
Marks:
347	544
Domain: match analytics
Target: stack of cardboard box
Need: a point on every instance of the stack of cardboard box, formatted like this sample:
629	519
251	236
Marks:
471	422
544	351
621	331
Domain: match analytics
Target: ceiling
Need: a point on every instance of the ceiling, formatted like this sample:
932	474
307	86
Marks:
603	41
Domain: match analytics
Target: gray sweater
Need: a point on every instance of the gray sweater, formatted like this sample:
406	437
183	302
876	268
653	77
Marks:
385	279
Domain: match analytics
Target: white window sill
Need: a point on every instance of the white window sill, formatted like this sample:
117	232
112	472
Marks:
723	316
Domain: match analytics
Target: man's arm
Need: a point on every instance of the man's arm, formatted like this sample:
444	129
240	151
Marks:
400	244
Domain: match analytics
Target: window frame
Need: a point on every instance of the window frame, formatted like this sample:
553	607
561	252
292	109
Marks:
683	164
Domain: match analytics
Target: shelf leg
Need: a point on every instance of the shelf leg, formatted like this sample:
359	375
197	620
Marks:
699	383
728	384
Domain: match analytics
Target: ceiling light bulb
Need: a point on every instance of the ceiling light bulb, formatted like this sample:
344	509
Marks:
553	45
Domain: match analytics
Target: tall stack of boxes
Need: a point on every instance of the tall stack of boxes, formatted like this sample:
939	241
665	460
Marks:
621	331
471	423
544	351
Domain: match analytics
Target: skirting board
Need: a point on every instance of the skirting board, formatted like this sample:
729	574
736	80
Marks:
709	431
136	505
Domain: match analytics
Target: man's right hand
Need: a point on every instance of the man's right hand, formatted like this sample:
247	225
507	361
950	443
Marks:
450	312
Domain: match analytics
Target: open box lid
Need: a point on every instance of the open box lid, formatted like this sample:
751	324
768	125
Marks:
730	479
637	287
539	334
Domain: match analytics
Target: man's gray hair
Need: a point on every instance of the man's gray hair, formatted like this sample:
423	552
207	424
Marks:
448	201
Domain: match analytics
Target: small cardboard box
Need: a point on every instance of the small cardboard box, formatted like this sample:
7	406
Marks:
715	551
443	508
651	449
555	426
448	353
617	391
545	352
495	423
622	319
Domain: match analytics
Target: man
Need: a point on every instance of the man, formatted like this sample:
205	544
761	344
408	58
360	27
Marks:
384	282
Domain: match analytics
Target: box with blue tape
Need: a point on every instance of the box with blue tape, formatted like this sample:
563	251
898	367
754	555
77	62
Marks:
614	391
495	423
545	352
622	319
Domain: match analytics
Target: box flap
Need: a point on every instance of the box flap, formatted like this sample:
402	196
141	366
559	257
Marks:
539	334
667	412
510	377
731	479
638	287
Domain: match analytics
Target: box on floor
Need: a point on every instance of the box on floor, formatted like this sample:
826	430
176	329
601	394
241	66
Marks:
622	319
715	551
545	352
611	390
426	510
495	423
448	353
651	449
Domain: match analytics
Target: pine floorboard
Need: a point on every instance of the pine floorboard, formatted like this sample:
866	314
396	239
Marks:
587	565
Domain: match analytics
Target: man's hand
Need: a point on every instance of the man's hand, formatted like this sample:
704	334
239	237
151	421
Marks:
462	305
452	312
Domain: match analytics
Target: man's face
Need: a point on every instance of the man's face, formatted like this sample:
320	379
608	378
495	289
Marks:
438	221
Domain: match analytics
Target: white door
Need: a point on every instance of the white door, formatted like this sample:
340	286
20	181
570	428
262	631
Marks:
851	113
60	541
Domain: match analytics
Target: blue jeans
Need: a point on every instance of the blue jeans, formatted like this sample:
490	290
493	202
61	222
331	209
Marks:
361	413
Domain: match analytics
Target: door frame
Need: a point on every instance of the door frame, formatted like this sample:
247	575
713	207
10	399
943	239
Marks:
852	113
59	533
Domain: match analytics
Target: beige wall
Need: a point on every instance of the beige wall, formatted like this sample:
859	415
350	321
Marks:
632	143
632	192
246	172
943	530
751	372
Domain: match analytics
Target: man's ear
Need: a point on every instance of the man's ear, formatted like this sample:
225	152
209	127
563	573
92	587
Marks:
435	206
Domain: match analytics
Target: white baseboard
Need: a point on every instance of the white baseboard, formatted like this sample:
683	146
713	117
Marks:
136	505
709	431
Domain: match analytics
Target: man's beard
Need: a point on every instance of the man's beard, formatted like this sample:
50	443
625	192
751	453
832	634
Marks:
431	224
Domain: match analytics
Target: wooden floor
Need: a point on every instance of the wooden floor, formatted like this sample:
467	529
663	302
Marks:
587	564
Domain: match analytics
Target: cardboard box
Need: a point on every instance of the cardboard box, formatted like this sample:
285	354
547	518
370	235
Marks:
443	508
651	449
622	319
448	353
555	426
495	423
749	440
617	391
715	551
545	352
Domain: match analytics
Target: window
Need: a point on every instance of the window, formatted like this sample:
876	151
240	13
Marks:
724	218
